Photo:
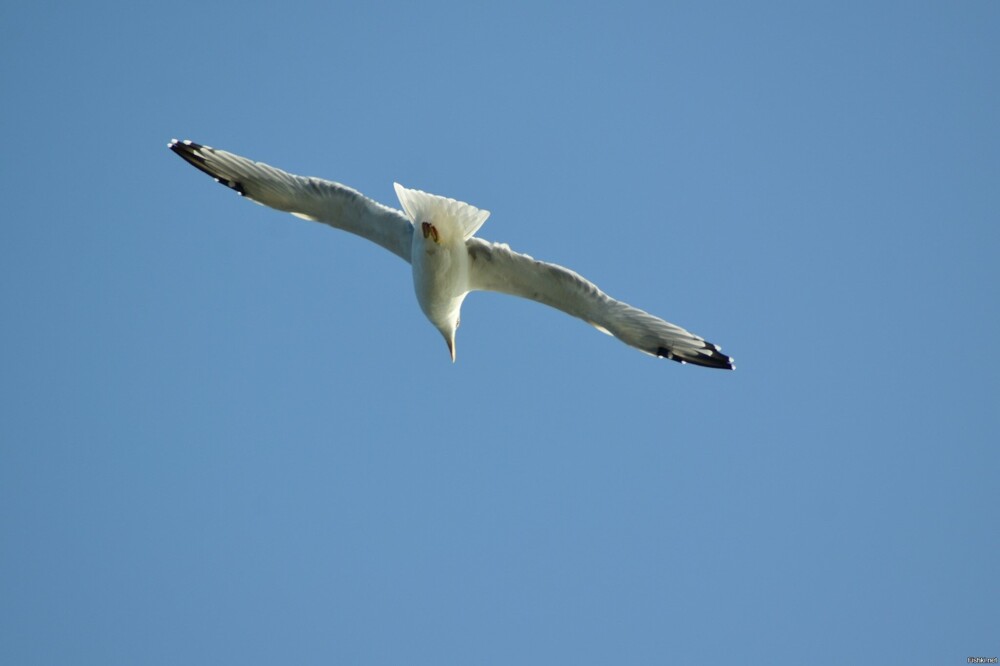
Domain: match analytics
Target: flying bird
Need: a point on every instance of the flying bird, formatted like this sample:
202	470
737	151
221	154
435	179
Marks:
436	235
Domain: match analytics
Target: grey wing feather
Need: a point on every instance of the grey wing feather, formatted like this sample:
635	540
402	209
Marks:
312	198
495	267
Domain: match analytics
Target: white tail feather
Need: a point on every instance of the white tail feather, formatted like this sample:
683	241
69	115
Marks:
448	214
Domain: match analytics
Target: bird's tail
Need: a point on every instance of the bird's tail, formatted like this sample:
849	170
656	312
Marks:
451	217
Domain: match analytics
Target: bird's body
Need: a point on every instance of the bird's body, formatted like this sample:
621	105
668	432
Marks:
439	259
441	281
436	235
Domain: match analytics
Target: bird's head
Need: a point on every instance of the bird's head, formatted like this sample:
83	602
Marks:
448	329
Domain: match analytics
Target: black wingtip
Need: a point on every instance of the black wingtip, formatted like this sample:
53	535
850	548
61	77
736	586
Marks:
708	357
186	147
192	154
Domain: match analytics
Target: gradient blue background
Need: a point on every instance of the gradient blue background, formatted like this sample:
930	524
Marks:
230	436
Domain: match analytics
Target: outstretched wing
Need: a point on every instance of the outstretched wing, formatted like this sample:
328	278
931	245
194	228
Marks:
495	267
310	198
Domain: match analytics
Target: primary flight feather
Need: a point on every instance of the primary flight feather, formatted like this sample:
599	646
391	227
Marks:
436	235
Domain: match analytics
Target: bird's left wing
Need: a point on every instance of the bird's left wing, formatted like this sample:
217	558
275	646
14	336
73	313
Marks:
310	198
495	267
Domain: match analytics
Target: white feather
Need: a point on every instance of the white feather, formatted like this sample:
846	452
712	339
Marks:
449	215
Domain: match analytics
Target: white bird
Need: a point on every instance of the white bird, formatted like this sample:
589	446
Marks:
447	259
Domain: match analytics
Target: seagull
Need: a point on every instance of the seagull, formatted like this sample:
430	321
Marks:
436	236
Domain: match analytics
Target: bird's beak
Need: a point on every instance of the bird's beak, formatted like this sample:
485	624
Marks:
451	348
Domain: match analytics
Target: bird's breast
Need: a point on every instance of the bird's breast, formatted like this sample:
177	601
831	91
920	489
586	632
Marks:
440	276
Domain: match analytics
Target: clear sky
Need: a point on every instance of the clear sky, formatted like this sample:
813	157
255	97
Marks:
229	436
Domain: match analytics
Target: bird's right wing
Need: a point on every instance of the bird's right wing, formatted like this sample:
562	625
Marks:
310	198
495	267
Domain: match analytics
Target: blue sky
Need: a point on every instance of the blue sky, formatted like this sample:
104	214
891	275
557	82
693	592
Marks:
230	436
